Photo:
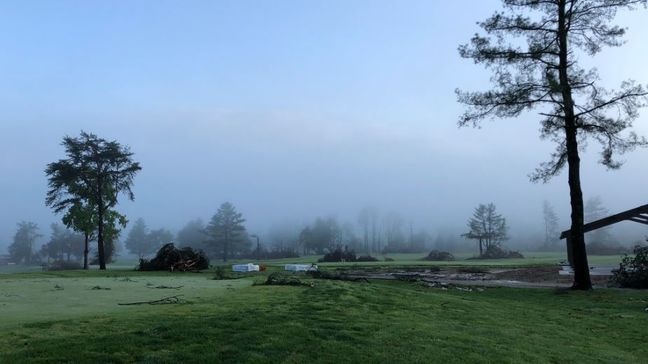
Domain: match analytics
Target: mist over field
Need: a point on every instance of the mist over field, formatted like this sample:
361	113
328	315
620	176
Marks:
290	112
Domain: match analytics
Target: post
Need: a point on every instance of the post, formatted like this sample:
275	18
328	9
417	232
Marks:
258	248
570	251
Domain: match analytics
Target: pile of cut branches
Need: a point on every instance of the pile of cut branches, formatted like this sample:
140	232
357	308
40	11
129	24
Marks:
173	259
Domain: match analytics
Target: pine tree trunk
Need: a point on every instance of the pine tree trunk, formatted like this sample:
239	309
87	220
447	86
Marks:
581	267
100	232
85	252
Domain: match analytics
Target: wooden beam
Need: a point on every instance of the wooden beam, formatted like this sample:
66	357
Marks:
638	212
639	220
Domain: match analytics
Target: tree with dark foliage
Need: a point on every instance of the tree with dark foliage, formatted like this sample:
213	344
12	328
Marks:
226	230
192	234
141	242
22	248
545	75
487	227
63	244
80	218
94	173
551	226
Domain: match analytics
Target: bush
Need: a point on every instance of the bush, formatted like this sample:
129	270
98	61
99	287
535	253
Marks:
222	273
439	255
281	279
495	252
633	272
63	265
366	258
339	255
601	248
171	258
388	259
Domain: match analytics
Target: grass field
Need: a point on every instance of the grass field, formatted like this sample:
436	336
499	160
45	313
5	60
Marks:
462	259
59	317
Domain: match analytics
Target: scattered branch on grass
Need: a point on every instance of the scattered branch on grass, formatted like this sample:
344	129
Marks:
280	279
100	288
162	301
165	287
337	276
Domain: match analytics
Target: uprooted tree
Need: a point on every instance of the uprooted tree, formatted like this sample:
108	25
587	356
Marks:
173	259
544	74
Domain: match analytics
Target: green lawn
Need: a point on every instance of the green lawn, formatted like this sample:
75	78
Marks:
333	321
462	259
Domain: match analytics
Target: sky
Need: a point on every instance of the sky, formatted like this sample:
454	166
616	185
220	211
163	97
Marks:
288	109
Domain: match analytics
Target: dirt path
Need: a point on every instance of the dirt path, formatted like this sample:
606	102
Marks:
534	277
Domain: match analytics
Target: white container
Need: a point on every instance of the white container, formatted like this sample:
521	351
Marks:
300	267
297	267
245	268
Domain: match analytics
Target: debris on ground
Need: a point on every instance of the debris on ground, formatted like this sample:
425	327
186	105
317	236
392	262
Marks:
173	259
338	276
162	301
165	287
281	279
99	288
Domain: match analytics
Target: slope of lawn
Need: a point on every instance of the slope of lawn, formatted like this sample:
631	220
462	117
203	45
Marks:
462	259
333	321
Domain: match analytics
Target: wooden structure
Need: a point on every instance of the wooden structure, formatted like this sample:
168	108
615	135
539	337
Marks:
639	214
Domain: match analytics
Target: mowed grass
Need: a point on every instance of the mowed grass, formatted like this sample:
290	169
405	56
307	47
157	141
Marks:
333	321
462	259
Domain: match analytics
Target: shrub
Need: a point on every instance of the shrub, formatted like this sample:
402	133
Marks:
222	272
439	255
64	265
171	258
633	272
339	255
388	259
366	258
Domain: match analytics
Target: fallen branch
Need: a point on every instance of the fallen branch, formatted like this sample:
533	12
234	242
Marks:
166	287
162	301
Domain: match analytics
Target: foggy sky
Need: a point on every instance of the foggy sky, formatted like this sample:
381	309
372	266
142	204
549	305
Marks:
289	110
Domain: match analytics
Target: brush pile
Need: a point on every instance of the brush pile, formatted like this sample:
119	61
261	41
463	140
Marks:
173	259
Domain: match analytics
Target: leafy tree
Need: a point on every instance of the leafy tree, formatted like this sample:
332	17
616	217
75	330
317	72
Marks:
551	226
305	239
158	237
533	49
487	227
114	223
192	234
63	244
80	217
324	235
136	241
595	210
94	173
393	228
226	230
22	248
